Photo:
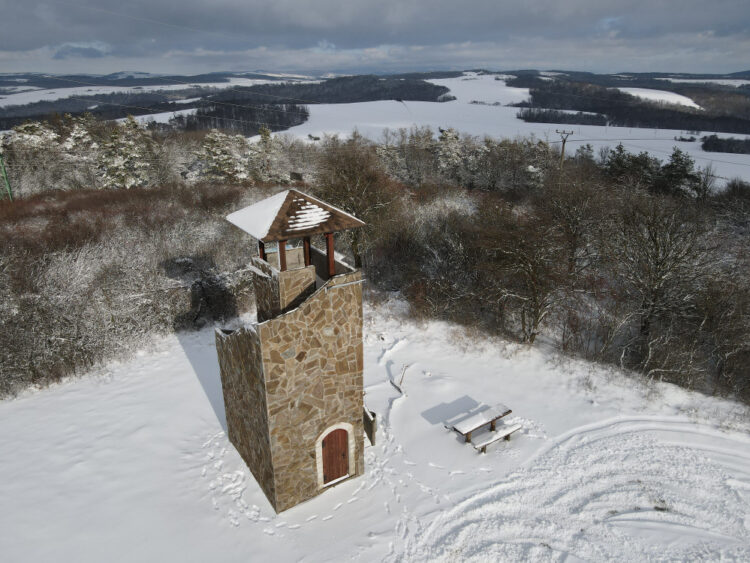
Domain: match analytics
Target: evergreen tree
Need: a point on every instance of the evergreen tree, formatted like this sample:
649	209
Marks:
224	157
126	158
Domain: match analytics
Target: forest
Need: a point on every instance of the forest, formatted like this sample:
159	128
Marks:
538	115
224	108
726	113
342	90
713	143
616	257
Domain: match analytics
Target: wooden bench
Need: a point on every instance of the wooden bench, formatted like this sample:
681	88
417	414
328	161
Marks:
489	416
503	433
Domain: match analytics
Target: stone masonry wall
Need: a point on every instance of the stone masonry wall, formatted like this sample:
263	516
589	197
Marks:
295	286
319	259
277	292
243	384
266	288
295	258
312	363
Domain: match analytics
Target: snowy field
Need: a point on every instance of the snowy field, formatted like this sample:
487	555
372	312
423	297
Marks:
660	96
132	463
372	118
720	81
162	117
51	94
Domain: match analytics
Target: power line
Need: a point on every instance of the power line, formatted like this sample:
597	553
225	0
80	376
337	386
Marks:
563	138
619	139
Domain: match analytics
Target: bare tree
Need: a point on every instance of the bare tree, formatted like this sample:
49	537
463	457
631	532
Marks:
519	258
657	263
350	176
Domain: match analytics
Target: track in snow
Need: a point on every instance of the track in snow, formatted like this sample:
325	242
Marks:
603	492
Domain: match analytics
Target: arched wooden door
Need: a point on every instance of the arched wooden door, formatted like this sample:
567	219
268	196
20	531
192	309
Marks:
335	455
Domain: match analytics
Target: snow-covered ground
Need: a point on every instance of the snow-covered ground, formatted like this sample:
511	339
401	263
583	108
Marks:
720	81
372	118
51	94
132	463
162	117
660	96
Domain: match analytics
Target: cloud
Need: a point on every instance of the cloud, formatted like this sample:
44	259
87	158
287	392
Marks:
155	35
91	50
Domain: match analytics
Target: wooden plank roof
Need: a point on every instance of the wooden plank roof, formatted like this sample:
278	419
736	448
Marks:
292	214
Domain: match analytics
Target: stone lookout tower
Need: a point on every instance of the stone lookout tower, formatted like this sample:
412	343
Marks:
293	382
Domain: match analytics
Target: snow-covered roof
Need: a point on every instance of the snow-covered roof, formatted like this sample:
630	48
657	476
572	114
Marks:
291	214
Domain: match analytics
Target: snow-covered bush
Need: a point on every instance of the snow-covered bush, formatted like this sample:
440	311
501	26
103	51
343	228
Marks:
86	277
32	157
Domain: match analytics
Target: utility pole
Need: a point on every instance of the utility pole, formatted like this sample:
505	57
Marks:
564	137
5	177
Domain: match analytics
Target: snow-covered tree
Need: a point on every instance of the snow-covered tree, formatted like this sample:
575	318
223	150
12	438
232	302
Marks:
32	153
266	160
126	159
32	135
79	140
223	157
409	155
678	175
449	154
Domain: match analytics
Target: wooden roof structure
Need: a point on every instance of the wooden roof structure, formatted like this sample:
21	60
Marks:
292	214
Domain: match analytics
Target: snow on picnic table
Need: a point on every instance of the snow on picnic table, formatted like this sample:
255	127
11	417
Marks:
485	416
132	463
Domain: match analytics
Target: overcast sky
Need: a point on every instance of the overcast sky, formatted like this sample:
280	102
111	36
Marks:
194	36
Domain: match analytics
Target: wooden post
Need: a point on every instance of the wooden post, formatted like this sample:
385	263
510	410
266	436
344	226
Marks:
262	250
329	253
306	244
492	424
282	255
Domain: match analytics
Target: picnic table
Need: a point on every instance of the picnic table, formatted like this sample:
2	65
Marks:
503	434
489	416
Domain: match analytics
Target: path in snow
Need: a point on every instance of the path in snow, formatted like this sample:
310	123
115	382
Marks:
132	463
649	487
